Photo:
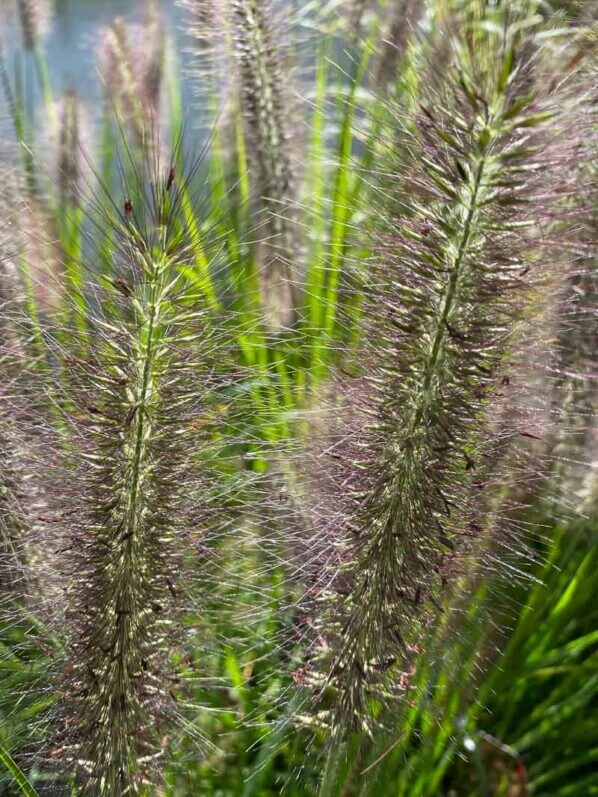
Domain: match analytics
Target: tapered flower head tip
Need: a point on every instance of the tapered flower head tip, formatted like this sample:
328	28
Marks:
132	64
35	17
251	55
395	39
71	144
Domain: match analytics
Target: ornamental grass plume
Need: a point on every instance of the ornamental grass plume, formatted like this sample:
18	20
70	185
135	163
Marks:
260	60
34	16
460	266
12	520
12	512
265	106
402	18
20	399
132	62
25	584
574	445
130	487
40	252
356	11
69	154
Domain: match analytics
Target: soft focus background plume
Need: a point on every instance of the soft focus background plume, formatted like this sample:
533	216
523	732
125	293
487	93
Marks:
251	42
131	67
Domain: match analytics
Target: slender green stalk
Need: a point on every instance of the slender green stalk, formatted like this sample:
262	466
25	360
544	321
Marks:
19	778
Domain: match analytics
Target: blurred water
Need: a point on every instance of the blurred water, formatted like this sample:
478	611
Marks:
72	43
71	46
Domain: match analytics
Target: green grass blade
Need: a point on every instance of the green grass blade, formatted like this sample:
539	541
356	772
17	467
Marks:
18	776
